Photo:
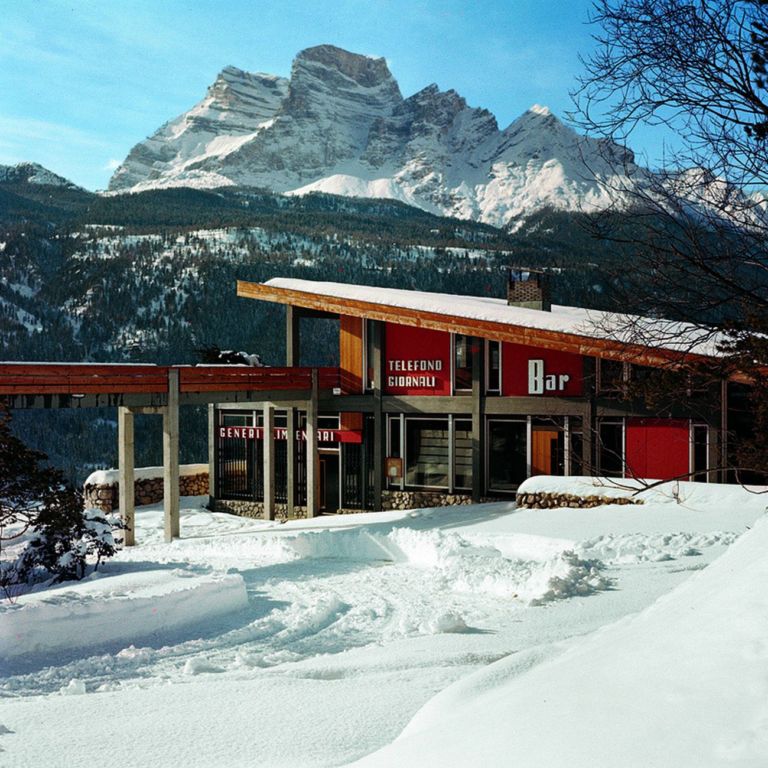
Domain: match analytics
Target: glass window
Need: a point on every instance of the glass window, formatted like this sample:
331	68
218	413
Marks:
507	454
462	362
393	446
369	336
700	453
611	449
235	458
493	366
576	452
611	376
426	451
242	419
462	453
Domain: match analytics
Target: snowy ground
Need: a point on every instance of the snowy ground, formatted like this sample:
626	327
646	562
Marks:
465	636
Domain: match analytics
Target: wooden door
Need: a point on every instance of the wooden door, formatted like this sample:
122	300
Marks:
544	452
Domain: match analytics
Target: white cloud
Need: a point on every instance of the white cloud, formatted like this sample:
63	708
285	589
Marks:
111	164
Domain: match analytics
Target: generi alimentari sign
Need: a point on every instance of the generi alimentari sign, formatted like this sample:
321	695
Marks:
281	433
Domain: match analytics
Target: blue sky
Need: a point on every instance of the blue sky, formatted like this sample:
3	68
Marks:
82	81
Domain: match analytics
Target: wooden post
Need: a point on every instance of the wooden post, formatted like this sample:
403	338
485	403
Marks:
290	428
171	458
292	336
269	461
125	458
213	457
313	457
588	439
478	417
379	433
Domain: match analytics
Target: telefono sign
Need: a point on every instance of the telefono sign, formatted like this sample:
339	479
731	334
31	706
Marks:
413	373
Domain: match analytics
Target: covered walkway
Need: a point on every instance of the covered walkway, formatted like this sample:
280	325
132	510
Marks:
161	390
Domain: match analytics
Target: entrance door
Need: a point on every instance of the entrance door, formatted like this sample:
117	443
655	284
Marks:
329	481
544	451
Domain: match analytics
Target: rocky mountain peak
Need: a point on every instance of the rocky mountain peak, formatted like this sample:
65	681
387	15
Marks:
367	71
340	124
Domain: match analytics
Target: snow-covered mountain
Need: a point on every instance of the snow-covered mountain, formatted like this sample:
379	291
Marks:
340	125
31	173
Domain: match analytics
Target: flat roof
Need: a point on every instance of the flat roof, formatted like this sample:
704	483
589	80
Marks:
582	331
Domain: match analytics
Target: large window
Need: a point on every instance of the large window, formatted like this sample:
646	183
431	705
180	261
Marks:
700	453
462	362
576	447
235	459
426	452
462	454
612	376
507	454
434	451
369	331
611	448
493	367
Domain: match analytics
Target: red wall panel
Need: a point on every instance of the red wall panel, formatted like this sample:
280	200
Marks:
417	361
555	366
657	448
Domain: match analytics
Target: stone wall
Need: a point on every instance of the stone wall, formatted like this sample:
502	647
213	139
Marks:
255	509
106	496
544	500
390	500
420	499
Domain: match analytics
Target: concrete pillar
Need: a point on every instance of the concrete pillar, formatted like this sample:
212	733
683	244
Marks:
213	458
313	457
379	432
292	336
478	419
588	440
588	423
171	458
269	461
713	454
290	428
125	458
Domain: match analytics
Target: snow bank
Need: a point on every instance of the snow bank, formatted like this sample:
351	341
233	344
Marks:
683	683
548	573
119	608
110	476
672	491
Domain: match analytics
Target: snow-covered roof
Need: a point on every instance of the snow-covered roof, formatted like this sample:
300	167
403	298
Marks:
575	321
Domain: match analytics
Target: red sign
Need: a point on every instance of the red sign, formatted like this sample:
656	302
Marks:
281	433
547	372
417	361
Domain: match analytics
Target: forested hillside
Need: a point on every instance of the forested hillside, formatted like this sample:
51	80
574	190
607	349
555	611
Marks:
151	277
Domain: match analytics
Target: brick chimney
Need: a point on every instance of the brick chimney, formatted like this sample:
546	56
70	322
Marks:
528	288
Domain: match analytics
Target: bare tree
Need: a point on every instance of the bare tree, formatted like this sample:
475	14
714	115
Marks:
697	225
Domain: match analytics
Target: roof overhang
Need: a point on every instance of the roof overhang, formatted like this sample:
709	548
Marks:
610	349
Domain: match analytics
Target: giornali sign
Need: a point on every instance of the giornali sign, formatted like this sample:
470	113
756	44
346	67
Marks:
413	373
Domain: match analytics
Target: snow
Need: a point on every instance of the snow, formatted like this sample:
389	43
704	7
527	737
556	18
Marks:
477	635
572	320
682	683
110	476
116	608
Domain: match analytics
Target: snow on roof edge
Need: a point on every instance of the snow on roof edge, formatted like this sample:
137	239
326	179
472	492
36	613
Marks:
597	324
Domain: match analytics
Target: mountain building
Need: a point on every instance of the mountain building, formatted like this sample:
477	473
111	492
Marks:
442	399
